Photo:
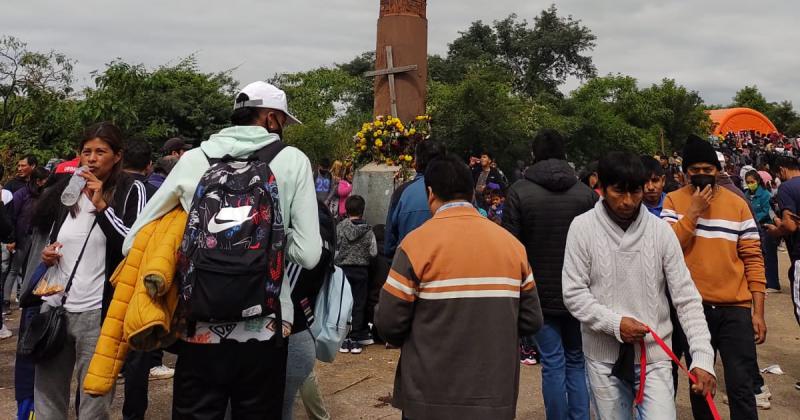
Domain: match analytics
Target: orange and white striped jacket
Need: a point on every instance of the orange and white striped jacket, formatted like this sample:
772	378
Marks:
460	293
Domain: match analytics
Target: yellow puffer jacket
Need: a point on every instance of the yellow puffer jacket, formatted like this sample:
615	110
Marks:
145	298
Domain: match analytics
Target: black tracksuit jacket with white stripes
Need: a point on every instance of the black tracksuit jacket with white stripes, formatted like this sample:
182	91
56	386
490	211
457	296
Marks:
130	197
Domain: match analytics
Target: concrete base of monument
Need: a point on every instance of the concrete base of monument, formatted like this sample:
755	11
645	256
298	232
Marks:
376	183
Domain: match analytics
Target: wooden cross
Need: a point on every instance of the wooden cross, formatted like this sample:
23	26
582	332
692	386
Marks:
390	71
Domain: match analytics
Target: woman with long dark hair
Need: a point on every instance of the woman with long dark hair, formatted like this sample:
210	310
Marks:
94	228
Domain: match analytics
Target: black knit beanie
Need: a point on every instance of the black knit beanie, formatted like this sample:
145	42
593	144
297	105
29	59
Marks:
698	150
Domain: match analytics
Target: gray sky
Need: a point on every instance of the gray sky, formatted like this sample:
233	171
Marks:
713	46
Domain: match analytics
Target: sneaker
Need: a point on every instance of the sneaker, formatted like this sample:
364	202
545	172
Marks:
355	348
527	355
346	345
771	290
367	341
5	333
161	372
765	391
762	401
797	385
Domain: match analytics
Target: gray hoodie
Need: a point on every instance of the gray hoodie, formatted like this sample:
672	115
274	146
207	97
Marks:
355	243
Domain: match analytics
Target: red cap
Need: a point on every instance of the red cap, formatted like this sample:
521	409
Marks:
68	167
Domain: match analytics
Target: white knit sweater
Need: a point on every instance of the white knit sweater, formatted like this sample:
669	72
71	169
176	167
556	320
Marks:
610	273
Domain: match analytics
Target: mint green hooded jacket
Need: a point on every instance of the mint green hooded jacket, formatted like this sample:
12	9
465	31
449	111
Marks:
293	174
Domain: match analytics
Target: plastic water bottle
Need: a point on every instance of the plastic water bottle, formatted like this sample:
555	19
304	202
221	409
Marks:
73	191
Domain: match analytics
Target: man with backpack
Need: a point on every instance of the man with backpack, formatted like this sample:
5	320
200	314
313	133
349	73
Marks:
252	205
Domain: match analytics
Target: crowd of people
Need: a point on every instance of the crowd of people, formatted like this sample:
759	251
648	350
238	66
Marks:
219	253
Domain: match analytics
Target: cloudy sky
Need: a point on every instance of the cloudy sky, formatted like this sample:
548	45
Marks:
713	46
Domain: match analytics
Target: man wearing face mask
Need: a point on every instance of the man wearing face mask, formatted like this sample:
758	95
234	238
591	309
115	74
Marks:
722	249
241	363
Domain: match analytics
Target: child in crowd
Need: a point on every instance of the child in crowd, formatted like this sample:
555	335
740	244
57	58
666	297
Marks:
496	203
355	247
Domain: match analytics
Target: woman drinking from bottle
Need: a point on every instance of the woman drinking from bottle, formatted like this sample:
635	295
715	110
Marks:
88	233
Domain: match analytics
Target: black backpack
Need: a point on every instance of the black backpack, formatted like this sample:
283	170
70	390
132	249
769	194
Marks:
232	255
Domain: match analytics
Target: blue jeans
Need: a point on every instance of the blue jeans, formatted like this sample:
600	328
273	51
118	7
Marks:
563	370
612	398
769	247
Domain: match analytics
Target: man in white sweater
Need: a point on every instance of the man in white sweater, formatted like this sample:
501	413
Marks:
620	262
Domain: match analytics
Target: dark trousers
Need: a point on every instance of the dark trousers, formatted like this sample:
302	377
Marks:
137	379
250	376
731	329
769	247
358	277
24	368
679	345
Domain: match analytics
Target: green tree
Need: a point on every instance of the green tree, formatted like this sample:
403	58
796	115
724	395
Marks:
751	97
540	58
37	110
785	118
680	112
362	90
169	101
24	73
331	102
610	113
480	113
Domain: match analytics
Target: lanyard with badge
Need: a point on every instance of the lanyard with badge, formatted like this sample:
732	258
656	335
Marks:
453	205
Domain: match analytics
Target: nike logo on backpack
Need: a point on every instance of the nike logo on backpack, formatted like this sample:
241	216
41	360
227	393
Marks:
228	217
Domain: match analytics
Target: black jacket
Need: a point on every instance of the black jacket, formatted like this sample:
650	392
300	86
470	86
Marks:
494	176
129	199
306	284
538	211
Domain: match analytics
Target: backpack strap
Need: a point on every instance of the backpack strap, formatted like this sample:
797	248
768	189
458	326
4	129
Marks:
265	154
268	152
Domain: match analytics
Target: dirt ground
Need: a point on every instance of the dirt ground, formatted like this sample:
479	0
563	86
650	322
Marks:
359	386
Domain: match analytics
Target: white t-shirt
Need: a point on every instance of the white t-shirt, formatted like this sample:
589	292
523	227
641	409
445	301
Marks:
86	293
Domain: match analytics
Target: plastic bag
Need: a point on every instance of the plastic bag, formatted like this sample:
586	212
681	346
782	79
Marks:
53	282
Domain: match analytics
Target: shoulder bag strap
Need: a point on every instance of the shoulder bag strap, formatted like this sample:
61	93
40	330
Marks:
77	262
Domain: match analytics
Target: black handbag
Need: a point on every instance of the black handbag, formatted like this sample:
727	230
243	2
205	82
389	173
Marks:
45	335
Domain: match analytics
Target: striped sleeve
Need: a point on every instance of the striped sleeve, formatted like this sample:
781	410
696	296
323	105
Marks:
116	222
530	309
399	283
683	227
395	311
527	279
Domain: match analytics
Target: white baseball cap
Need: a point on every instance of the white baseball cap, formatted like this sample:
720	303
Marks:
264	95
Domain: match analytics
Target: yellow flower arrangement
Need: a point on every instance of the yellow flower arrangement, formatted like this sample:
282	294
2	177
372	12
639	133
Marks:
392	142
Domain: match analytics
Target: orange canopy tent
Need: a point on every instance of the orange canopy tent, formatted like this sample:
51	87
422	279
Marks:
736	119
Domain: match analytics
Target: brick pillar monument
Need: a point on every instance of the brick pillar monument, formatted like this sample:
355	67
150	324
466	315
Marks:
403	26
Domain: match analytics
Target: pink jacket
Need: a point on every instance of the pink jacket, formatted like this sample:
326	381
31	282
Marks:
343	191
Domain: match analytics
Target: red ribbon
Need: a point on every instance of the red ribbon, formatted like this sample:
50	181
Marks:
643	372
